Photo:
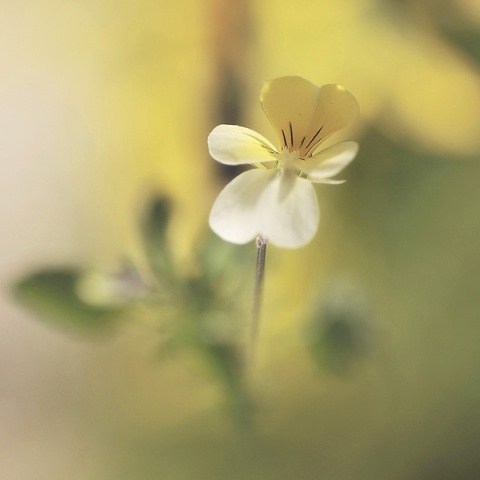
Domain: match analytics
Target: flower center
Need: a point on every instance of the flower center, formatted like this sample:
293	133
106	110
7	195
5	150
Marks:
287	159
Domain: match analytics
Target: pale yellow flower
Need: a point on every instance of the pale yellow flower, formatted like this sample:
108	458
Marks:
277	200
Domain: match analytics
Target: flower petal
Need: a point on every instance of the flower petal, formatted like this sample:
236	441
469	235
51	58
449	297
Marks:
271	203
327	163
289	104
233	215
303	115
234	145
290	214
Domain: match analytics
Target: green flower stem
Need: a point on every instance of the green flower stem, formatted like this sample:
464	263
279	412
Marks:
257	296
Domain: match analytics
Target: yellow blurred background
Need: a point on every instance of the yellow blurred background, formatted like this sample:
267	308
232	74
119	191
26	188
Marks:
103	103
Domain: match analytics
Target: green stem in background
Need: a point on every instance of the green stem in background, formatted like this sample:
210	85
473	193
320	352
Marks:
257	296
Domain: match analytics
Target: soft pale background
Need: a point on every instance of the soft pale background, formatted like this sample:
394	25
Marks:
103	102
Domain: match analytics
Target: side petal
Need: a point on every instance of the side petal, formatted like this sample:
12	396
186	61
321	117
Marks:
234	145
276	205
327	163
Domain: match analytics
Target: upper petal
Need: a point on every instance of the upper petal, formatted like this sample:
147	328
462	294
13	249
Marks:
271	203
234	145
327	163
289	104
303	115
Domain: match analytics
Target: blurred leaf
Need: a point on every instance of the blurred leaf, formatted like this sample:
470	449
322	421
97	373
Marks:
339	334
227	271
52	295
226	361
450	21
339	343
457	28
154	225
465	38
109	289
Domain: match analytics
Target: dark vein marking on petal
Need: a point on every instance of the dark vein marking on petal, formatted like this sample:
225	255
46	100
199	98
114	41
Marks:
314	137
262	144
301	143
291	134
269	149
284	138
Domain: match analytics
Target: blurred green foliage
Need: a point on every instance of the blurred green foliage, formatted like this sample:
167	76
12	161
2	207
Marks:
51	293
153	227
340	332
200	309
454	25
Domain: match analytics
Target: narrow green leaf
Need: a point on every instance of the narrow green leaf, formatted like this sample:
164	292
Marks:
154	225
52	295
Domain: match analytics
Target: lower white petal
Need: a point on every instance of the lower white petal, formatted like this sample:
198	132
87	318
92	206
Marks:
277	205
234	214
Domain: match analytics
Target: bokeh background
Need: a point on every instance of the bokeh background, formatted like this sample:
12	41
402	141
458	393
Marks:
367	363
